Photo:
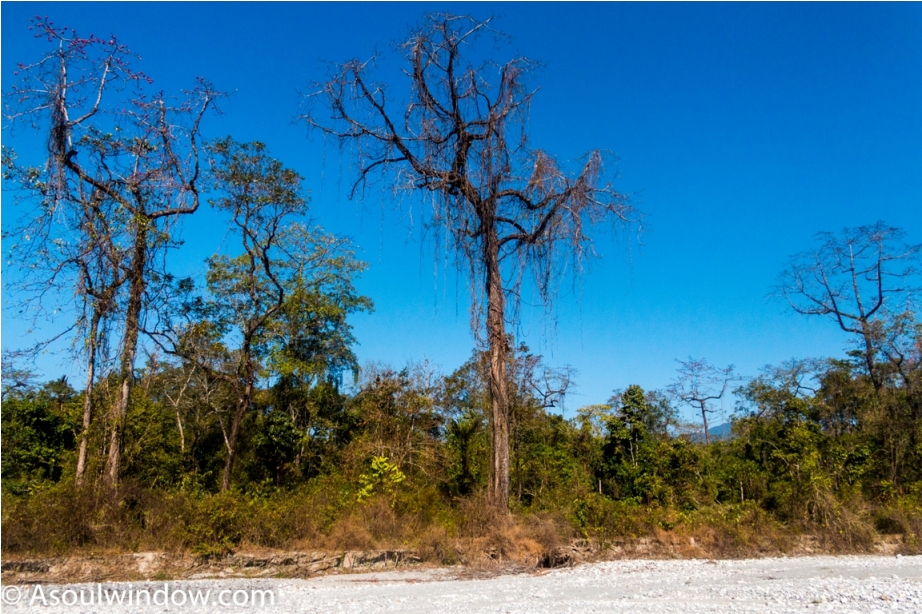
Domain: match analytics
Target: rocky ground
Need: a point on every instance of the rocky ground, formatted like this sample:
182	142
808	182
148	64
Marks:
771	585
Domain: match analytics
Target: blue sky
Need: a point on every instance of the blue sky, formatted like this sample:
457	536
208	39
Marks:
742	130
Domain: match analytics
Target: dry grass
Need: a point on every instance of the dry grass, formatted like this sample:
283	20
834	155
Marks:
64	520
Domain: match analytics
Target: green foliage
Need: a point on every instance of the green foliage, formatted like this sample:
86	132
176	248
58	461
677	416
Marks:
464	401
812	449
276	443
273	322
38	433
218	525
151	454
382	476
257	358
464	439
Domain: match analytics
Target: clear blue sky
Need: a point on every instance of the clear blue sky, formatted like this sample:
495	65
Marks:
742	130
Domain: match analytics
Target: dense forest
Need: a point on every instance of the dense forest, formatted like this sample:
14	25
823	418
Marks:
230	411
402	459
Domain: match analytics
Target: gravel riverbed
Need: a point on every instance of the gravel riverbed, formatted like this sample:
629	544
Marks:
798	584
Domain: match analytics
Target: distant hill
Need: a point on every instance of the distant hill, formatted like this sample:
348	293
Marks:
721	431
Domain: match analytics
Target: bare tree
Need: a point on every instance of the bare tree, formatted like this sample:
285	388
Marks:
101	277
109	140
698	384
68	240
850	278
461	138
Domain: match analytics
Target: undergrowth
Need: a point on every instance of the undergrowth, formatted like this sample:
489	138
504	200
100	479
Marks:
65	520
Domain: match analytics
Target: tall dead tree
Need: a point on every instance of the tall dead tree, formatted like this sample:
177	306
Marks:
110	140
852	278
460	136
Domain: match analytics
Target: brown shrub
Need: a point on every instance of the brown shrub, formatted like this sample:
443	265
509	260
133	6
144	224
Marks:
64	519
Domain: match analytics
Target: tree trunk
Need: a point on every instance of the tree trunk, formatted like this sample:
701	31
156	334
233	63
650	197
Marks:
242	404
498	493
129	350
88	397
869	355
182	433
232	446
704	418
518	457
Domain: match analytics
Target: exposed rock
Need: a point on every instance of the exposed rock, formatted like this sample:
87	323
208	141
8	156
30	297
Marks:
578	551
26	566
160	565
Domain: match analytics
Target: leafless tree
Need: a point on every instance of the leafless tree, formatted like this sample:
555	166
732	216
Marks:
100	279
110	141
850	278
68	240
461	139
698	384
